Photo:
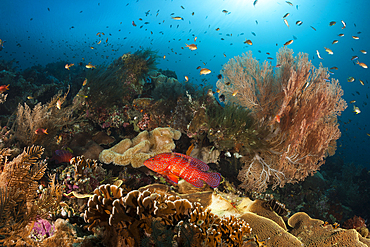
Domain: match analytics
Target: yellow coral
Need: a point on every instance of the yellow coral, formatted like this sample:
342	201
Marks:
144	146
269	231
313	232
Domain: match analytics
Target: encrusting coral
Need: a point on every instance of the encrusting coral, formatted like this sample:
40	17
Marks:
313	232
144	146
270	228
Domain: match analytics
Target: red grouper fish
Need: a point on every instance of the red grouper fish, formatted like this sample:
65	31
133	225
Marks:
175	165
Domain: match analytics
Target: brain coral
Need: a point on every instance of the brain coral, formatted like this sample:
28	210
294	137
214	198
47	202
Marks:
144	146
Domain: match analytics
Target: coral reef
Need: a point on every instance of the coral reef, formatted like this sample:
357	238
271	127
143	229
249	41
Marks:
278	123
65	235
42	229
144	212
82	176
109	90
155	215
210	230
142	147
298	107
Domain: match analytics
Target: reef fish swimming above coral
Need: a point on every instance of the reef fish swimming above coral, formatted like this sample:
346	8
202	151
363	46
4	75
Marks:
175	165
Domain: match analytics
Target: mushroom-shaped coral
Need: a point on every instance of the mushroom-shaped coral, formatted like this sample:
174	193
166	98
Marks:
144	146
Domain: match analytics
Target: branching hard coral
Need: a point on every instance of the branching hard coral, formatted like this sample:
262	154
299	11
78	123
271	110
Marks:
298	107
3	98
100	205
21	204
135	212
210	230
140	217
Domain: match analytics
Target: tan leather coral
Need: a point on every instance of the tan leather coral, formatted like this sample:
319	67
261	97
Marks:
144	146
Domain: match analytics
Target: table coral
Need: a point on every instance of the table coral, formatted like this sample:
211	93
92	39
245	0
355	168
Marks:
144	146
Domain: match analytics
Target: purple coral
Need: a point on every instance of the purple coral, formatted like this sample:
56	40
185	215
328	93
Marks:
42	229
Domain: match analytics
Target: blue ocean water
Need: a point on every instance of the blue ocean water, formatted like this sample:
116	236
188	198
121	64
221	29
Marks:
40	32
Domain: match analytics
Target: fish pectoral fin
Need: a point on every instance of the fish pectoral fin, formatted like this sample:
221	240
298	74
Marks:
173	178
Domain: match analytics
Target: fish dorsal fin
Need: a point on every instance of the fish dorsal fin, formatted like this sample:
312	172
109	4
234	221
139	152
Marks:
195	162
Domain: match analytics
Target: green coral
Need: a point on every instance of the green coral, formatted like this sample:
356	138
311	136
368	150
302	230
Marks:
121	81
233	127
137	65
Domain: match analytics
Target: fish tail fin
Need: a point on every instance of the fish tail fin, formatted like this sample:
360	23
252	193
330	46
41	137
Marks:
213	179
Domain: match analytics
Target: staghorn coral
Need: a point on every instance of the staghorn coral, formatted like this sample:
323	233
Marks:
295	108
142	147
20	201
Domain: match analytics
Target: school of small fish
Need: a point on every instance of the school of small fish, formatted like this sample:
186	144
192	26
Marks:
194	43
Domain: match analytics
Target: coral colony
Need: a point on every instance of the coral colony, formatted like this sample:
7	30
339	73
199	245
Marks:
126	155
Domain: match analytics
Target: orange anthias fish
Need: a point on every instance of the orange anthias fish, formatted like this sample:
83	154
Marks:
41	131
175	165
3	88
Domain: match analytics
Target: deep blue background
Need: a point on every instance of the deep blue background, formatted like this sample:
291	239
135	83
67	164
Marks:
35	35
